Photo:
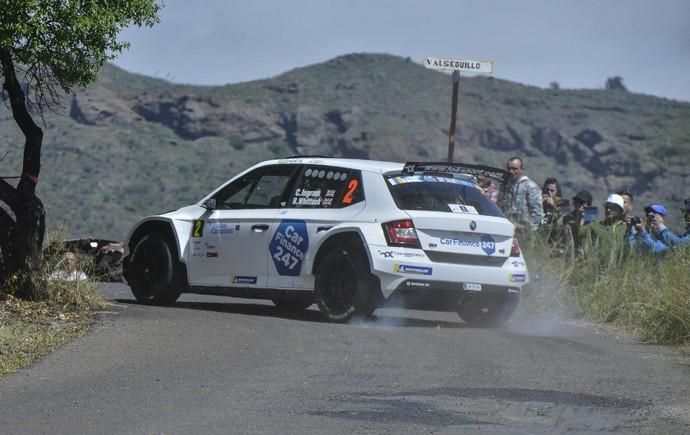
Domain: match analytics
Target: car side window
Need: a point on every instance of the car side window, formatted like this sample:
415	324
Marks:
261	188
326	187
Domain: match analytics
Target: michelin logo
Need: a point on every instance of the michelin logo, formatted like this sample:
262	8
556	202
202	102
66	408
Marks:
244	279
406	268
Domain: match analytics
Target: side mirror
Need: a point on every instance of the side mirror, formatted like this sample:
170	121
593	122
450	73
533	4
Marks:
209	204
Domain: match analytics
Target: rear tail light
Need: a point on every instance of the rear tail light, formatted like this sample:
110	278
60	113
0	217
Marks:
401	233
515	249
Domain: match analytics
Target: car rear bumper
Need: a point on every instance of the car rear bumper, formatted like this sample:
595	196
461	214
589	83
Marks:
412	269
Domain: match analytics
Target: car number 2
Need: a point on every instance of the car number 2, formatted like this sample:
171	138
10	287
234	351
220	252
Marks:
289	260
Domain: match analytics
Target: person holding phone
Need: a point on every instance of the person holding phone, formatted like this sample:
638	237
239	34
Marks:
552	201
582	214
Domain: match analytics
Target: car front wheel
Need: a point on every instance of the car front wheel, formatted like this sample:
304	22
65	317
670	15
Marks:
153	275
342	286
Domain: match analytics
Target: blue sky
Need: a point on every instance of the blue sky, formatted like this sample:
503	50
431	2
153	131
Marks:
575	43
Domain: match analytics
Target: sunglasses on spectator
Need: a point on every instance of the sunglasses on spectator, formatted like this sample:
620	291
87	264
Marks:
512	168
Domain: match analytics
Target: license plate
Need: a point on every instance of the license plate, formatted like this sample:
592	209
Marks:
472	287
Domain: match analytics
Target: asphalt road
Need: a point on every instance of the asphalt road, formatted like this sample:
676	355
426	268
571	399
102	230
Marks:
215	365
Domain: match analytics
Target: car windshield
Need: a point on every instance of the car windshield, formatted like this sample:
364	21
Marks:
440	193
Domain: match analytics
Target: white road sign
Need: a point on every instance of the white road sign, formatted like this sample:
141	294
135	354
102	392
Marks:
463	65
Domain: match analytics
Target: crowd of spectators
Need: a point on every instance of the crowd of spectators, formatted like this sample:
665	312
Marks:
546	211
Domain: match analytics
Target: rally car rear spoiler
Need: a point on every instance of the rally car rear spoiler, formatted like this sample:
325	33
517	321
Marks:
457	169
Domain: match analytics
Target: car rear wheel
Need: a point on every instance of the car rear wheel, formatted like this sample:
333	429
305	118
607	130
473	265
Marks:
342	286
487	309
153	275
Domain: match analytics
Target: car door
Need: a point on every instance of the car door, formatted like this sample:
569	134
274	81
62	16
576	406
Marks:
230	241
321	198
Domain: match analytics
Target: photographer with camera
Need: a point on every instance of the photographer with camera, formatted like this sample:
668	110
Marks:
658	238
646	236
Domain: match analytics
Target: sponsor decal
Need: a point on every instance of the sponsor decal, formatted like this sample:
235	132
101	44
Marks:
289	247
433	245
221	228
450	241
393	254
237	279
211	255
513	290
406	268
197	228
417	284
488	244
210	246
517	264
518	277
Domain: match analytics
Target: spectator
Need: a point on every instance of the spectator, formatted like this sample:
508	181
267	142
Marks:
573	221
640	237
628	208
487	186
109	261
671	239
607	237
521	201
627	202
552	201
661	238
68	271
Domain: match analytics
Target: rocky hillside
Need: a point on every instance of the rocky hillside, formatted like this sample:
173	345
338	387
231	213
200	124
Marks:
131	145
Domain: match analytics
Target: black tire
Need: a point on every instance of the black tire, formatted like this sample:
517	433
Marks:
292	305
342	287
487	309
153	273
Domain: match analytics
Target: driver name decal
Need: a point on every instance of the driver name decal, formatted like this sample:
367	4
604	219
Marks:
289	246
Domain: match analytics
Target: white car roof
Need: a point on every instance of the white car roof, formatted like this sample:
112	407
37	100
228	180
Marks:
376	166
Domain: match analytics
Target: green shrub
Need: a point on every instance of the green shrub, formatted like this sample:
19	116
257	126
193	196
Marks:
649	295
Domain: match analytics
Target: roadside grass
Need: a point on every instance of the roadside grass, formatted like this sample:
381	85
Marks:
31	329
647	295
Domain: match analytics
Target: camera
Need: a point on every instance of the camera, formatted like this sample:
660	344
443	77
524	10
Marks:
634	220
545	191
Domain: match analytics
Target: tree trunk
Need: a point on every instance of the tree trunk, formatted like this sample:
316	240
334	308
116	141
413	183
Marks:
21	238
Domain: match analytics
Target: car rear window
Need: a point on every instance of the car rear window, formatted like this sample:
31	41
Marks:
440	193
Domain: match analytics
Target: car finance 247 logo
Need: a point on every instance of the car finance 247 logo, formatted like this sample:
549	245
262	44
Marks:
488	244
289	246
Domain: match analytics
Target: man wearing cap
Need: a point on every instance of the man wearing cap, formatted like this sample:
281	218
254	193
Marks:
661	238
610	233
641	238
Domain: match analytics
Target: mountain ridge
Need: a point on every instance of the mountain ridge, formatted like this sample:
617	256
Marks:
131	145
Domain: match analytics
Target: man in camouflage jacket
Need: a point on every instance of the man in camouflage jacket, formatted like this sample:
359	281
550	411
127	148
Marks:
521	200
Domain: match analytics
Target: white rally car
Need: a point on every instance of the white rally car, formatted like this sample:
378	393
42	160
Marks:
349	235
